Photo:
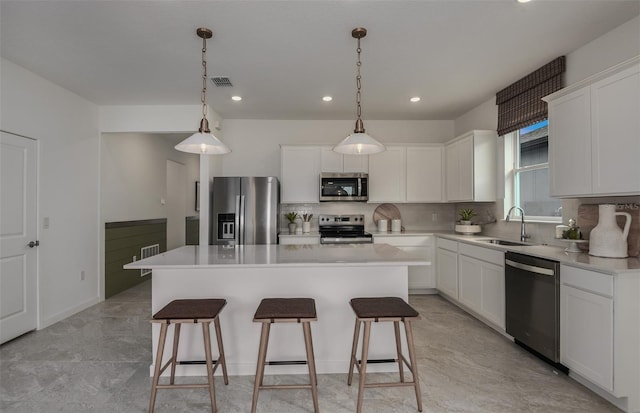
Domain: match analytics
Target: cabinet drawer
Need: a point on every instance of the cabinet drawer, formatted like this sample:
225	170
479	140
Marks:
591	281
481	253
404	240
447	244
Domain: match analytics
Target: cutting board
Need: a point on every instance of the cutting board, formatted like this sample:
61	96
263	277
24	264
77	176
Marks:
588	219
386	211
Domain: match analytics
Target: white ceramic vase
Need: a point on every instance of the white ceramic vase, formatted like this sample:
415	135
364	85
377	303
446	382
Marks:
607	239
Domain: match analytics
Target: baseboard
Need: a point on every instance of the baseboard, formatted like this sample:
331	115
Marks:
46	322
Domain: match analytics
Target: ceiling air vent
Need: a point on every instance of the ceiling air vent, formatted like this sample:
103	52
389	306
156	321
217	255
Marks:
221	81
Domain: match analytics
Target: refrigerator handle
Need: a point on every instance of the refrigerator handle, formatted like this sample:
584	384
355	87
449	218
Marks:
236	229
241	227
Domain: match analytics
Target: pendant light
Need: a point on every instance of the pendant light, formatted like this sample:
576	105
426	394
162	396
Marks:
359	142
203	142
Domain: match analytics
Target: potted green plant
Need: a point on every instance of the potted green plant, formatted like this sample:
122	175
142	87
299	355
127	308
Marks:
466	215
291	216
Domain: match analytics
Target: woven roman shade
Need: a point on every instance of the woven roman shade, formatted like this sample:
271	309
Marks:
521	104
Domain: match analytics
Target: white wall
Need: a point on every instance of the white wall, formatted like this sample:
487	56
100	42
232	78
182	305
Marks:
255	143
482	117
616	46
66	128
134	175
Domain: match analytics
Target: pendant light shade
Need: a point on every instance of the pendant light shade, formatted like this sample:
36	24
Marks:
203	142
359	142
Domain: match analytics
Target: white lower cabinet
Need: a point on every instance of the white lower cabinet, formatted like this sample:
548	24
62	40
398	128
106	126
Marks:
422	277
481	282
586	324
447	267
600	332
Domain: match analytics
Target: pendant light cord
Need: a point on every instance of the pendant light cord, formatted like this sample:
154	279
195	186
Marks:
359	125
203	96
358	81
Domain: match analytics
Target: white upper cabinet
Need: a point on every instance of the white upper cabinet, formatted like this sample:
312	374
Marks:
594	135
337	162
299	174
387	175
615	133
408	173
570	160
424	174
402	173
470	167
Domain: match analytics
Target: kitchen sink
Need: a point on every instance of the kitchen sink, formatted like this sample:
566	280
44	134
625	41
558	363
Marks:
504	242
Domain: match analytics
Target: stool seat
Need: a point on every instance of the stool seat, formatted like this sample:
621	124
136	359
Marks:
285	308
191	309
382	307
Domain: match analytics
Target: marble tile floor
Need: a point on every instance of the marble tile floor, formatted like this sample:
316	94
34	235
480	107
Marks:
98	361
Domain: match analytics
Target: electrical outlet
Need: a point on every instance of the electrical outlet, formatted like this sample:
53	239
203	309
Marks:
82	275
135	258
434	217
45	223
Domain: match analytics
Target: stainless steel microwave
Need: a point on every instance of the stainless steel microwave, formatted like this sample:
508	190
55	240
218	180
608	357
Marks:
344	187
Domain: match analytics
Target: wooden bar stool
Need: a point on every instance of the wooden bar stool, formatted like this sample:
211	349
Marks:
177	312
379	309
285	310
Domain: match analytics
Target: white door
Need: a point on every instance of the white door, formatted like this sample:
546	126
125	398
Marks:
18	227
176	204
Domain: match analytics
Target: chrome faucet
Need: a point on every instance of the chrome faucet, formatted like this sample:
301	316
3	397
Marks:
523	233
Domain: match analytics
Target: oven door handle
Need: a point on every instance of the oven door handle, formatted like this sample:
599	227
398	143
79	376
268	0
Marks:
530	268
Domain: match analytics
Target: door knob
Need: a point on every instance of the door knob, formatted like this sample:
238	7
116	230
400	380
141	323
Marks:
33	244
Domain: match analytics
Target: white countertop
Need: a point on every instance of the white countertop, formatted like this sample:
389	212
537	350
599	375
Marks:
215	256
407	233
581	260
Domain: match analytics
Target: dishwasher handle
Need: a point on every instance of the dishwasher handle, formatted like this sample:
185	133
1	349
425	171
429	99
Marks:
530	268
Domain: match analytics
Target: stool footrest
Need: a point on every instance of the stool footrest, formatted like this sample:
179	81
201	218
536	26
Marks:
391	384
285	362
182	386
283	386
379	361
196	362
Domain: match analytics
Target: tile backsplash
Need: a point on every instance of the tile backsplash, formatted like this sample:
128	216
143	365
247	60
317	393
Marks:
432	217
442	217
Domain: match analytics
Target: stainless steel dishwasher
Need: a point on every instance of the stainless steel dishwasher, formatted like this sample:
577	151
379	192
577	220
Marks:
533	304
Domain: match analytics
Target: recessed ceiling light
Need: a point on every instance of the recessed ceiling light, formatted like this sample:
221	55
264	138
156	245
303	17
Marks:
327	98
236	98
524	1
415	99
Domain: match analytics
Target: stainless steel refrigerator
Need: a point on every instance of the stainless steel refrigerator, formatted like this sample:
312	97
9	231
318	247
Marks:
244	210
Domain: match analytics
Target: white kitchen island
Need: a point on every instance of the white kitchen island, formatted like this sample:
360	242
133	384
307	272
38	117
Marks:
244	275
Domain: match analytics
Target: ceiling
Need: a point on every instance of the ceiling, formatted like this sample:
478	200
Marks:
283	56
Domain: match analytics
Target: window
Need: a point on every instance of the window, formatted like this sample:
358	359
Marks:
527	173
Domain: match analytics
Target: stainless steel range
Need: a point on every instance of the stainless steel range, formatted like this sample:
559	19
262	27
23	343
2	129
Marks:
343	229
